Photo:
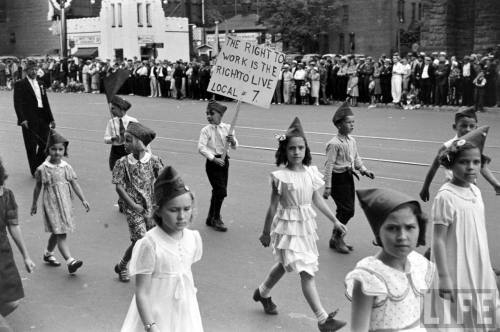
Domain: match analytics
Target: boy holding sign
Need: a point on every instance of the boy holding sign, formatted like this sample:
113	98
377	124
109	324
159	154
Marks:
212	146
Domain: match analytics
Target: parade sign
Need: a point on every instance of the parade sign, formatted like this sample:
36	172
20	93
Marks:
246	72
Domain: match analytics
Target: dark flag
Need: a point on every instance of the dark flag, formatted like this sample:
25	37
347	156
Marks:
114	82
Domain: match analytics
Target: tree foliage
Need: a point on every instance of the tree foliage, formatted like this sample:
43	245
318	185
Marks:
300	22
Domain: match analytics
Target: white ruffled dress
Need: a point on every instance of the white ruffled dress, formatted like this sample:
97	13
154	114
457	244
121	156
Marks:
293	231
172	293
398	295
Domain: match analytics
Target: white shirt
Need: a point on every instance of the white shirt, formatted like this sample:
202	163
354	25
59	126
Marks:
300	74
212	140
425	71
38	92
466	70
113	128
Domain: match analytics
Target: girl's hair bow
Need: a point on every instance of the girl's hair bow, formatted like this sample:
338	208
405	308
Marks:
280	137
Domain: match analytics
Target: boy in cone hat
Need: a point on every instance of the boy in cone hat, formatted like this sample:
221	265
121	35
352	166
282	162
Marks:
211	145
342	162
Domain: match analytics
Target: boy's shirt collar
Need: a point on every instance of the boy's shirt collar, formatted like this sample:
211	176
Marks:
342	136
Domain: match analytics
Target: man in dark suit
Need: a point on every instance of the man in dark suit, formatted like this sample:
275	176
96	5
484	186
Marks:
33	115
426	79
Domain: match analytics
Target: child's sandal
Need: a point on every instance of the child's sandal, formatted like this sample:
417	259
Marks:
51	260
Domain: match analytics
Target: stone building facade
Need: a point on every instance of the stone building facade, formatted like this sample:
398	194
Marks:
461	26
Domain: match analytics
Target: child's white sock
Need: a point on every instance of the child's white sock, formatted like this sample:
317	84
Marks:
321	315
264	291
69	260
48	253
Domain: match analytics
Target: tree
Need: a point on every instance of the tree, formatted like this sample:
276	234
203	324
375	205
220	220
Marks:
301	23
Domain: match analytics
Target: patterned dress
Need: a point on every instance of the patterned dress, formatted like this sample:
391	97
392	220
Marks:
57	196
293	232
397	295
11	288
138	177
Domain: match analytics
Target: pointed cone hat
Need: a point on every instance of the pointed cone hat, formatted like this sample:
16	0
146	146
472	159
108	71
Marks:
477	137
378	203
168	185
295	129
343	111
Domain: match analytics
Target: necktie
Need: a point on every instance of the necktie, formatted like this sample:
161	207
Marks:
122	131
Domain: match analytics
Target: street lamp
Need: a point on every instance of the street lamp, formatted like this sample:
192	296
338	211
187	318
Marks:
62	6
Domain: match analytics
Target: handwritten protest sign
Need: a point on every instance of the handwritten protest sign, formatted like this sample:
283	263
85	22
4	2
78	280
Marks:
246	71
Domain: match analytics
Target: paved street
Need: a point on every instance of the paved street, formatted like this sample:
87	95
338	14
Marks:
397	146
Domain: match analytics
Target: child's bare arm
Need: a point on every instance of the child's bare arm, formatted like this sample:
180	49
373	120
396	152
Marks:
142	286
16	234
361	309
323	207
265	238
78	190
36	194
123	195
424	192
439	249
488	175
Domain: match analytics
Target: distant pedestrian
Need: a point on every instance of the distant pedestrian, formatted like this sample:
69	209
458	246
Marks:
460	240
479	91
134	176
342	162
57	179
211	145
11	288
387	289
290	227
165	294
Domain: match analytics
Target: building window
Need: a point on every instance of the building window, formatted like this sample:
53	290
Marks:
3	11
148	14
113	21
352	45
420	12
139	14
341	43
345	14
401	10
119	14
413	11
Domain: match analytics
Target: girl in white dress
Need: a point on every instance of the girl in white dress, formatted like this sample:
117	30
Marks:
460	243
290	226
165	295
387	289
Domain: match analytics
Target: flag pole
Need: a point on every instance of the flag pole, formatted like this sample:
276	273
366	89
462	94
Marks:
231	129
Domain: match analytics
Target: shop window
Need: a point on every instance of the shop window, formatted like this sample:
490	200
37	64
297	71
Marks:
148	15
113	18
352	45
139	14
119	14
341	43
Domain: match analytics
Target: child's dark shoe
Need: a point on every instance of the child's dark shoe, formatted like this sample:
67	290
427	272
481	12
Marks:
331	324
123	275
218	225
267	303
209	221
74	265
51	260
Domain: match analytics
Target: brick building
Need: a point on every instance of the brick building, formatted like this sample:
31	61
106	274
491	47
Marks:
461	26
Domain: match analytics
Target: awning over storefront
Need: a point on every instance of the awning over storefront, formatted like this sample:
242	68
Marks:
86	53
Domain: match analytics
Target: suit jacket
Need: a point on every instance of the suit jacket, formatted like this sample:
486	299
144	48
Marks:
26	105
430	71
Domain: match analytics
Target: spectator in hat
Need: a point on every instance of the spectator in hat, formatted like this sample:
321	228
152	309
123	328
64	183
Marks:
468	76
287	84
426	79
33	115
385	81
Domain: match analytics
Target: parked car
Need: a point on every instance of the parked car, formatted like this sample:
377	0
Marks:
293	57
329	55
310	57
6	58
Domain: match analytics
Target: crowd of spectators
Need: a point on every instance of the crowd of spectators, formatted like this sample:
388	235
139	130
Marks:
411	81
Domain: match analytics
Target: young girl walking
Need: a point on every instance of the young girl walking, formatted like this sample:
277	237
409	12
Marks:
460	242
386	290
56	178
165	295
11	288
290	227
